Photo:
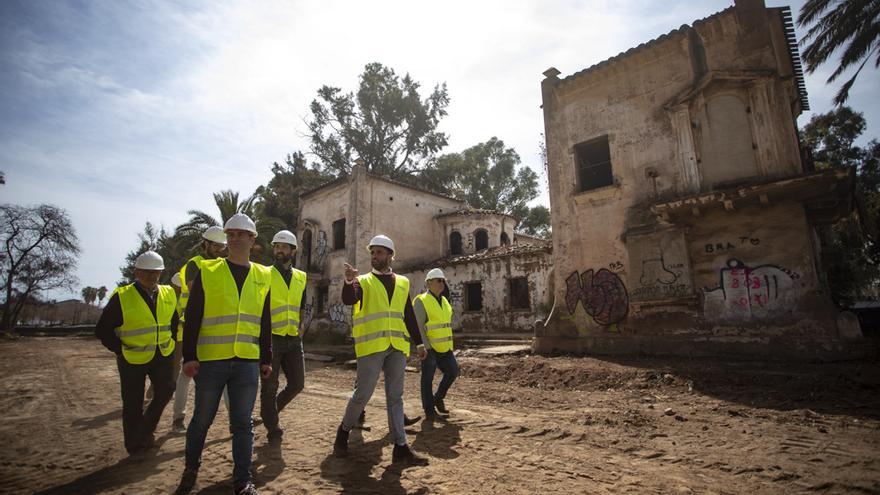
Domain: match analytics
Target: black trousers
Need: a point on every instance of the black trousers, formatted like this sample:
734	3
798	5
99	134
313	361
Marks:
138	424
287	355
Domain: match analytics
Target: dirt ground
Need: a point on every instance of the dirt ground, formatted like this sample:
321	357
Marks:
519	424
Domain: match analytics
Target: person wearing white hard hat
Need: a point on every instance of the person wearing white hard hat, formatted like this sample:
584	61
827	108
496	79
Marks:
213	246
227	343
383	327
434	317
288	293
138	325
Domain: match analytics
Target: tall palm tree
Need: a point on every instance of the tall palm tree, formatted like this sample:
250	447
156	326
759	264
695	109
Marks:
854	24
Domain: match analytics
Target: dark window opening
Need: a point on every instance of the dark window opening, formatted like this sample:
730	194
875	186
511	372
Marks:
473	296
455	243
519	293
593	160
481	240
505	240
339	234
305	257
321	300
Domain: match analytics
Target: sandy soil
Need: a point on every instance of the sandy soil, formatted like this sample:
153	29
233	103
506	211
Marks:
519	424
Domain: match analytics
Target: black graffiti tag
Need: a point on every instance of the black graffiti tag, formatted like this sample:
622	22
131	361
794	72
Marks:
602	294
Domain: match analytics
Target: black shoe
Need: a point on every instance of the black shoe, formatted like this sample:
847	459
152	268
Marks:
246	489
177	426
187	481
407	421
340	446
275	433
440	406
402	454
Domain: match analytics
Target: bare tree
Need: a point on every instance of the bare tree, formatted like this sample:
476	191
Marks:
39	251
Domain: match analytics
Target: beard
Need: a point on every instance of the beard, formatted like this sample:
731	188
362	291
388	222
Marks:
282	258
379	265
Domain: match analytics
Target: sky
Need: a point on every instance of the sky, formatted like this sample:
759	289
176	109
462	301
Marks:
123	112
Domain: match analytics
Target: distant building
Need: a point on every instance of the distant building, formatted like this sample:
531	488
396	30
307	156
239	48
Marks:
684	220
497	278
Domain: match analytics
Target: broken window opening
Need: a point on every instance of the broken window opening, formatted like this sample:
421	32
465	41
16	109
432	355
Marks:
593	161
339	234
455	243
481	239
519	293
505	240
305	257
473	296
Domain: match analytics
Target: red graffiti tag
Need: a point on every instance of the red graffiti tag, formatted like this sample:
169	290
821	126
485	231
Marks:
602	295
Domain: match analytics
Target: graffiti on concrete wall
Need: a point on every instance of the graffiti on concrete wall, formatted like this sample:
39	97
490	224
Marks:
305	316
340	313
751	292
725	246
456	291
661	279
321	249
602	294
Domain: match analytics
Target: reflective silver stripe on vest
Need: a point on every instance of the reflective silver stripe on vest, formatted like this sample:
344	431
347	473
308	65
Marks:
184	295
281	324
135	332
283	308
377	316
220	320
228	339
437	325
437	341
382	334
145	348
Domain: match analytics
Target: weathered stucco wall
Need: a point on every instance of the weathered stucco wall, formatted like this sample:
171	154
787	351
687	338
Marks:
704	108
467	225
497	315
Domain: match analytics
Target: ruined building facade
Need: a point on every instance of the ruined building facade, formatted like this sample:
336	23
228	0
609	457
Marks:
684	220
498	280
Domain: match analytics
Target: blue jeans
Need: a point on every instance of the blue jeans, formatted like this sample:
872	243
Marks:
241	378
448	366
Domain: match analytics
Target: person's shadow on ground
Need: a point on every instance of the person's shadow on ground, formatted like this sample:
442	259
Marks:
353	472
268	462
438	438
96	422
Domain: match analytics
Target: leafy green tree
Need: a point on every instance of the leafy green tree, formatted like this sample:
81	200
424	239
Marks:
850	248
102	293
853	25
386	123
39	252
489	176
280	197
89	294
536	222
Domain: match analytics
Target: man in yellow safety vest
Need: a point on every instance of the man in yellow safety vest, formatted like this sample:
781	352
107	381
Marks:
434	317
227	343
138	325
288	293
383	326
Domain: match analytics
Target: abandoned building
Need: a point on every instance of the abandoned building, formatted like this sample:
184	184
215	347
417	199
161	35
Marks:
684	220
497	279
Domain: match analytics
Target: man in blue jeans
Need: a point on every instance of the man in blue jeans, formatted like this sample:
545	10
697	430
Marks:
434	318
227	343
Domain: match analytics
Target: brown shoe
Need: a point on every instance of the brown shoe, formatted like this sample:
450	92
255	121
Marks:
402	454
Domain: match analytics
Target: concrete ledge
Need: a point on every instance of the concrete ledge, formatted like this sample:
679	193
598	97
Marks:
768	348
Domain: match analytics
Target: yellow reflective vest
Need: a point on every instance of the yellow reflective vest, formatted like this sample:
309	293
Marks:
231	322
184	292
377	322
438	328
141	332
285	302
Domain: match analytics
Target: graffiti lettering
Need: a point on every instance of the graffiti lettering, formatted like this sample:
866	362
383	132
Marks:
321	249
615	266
305	315
656	271
340	313
602	294
758	292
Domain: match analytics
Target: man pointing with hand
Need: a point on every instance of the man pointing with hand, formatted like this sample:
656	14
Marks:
383	328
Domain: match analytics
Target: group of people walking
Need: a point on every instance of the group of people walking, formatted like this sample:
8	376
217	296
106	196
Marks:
232	324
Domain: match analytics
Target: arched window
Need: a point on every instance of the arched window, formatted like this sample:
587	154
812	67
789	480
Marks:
505	241
305	255
455	243
481	240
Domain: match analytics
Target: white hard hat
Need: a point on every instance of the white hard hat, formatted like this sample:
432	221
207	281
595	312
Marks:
435	273
286	237
215	233
240	221
149	260
381	240
175	279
